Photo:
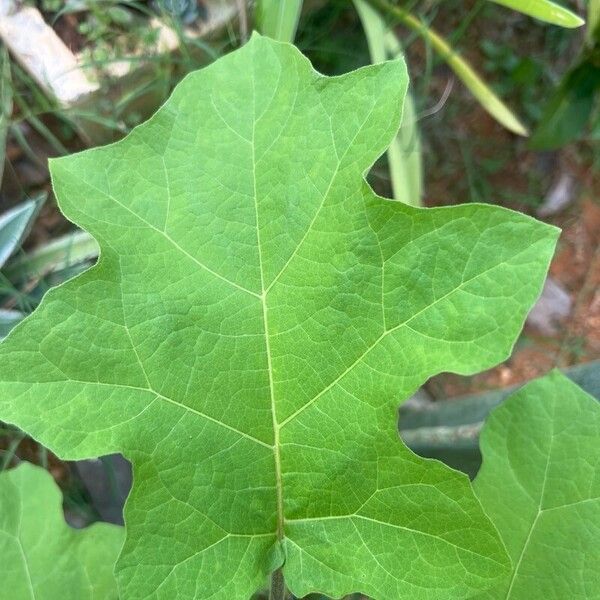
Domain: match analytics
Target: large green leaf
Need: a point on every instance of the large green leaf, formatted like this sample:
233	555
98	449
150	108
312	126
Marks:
42	557
255	318
540	485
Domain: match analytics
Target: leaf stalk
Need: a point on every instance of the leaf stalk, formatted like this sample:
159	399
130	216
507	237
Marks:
278	591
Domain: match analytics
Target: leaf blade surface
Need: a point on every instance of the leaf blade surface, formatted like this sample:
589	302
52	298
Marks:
253	294
539	485
42	557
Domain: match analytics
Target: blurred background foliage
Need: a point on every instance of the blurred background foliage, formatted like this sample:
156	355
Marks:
503	108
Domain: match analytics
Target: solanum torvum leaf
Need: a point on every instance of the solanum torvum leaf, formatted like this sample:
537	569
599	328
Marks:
540	484
255	318
42	557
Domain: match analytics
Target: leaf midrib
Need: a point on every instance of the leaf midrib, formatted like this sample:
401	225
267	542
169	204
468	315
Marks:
263	302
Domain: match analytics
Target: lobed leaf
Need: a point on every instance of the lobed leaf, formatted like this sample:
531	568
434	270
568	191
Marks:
539	484
42	557
255	317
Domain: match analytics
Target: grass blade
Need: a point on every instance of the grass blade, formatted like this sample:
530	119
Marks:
593	24
5	103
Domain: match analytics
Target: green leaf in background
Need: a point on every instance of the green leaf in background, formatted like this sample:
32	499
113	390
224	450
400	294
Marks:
592	35
406	156
472	81
476	85
6	95
540	485
545	11
569	110
61	253
404	153
255	317
15	225
278	19
42	557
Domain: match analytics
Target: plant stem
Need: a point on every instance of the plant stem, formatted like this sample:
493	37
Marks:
277	591
439	44
462	69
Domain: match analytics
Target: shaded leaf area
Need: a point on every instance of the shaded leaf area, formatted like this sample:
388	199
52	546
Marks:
255	318
539	484
44	558
569	109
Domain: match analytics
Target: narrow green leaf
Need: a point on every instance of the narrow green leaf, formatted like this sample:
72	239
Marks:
544	10
592	35
42	557
539	483
404	153
375	30
407	174
569	109
474	83
278	19
15	225
404	157
60	253
255	317
6	96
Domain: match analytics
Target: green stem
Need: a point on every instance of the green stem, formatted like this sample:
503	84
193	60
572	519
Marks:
277	591
414	23
463	70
